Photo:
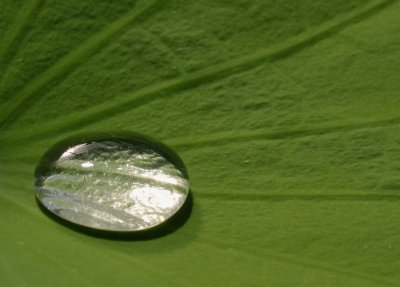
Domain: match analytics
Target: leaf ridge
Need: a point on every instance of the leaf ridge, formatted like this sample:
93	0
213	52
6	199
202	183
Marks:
10	42
277	256
214	73
25	208
68	63
226	138
270	134
273	255
40	252
369	197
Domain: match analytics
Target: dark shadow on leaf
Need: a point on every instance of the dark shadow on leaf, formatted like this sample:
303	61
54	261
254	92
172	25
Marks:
172	224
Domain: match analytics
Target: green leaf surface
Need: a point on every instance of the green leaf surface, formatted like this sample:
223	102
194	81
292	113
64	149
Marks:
286	114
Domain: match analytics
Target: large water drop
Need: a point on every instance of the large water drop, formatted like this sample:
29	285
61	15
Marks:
112	183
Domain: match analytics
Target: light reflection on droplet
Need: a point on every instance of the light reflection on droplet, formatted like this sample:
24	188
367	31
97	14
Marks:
87	164
113	184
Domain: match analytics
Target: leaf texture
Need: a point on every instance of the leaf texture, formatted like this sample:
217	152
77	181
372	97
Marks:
286	114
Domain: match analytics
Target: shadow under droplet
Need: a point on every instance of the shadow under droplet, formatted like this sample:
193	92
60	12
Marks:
169	226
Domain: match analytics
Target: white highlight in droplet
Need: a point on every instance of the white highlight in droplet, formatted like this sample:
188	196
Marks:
112	185
87	164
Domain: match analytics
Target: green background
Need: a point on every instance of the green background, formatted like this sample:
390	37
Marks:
285	112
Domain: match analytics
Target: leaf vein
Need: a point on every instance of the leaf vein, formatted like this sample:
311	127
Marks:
9	44
268	134
277	256
216	72
37	88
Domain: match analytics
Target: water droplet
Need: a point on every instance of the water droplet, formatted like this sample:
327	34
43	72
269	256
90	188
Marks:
113	183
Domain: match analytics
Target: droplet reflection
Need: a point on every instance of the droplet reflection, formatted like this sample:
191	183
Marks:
112	184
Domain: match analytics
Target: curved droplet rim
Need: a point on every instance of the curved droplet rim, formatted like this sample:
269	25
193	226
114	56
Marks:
169	226
172	223
59	148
